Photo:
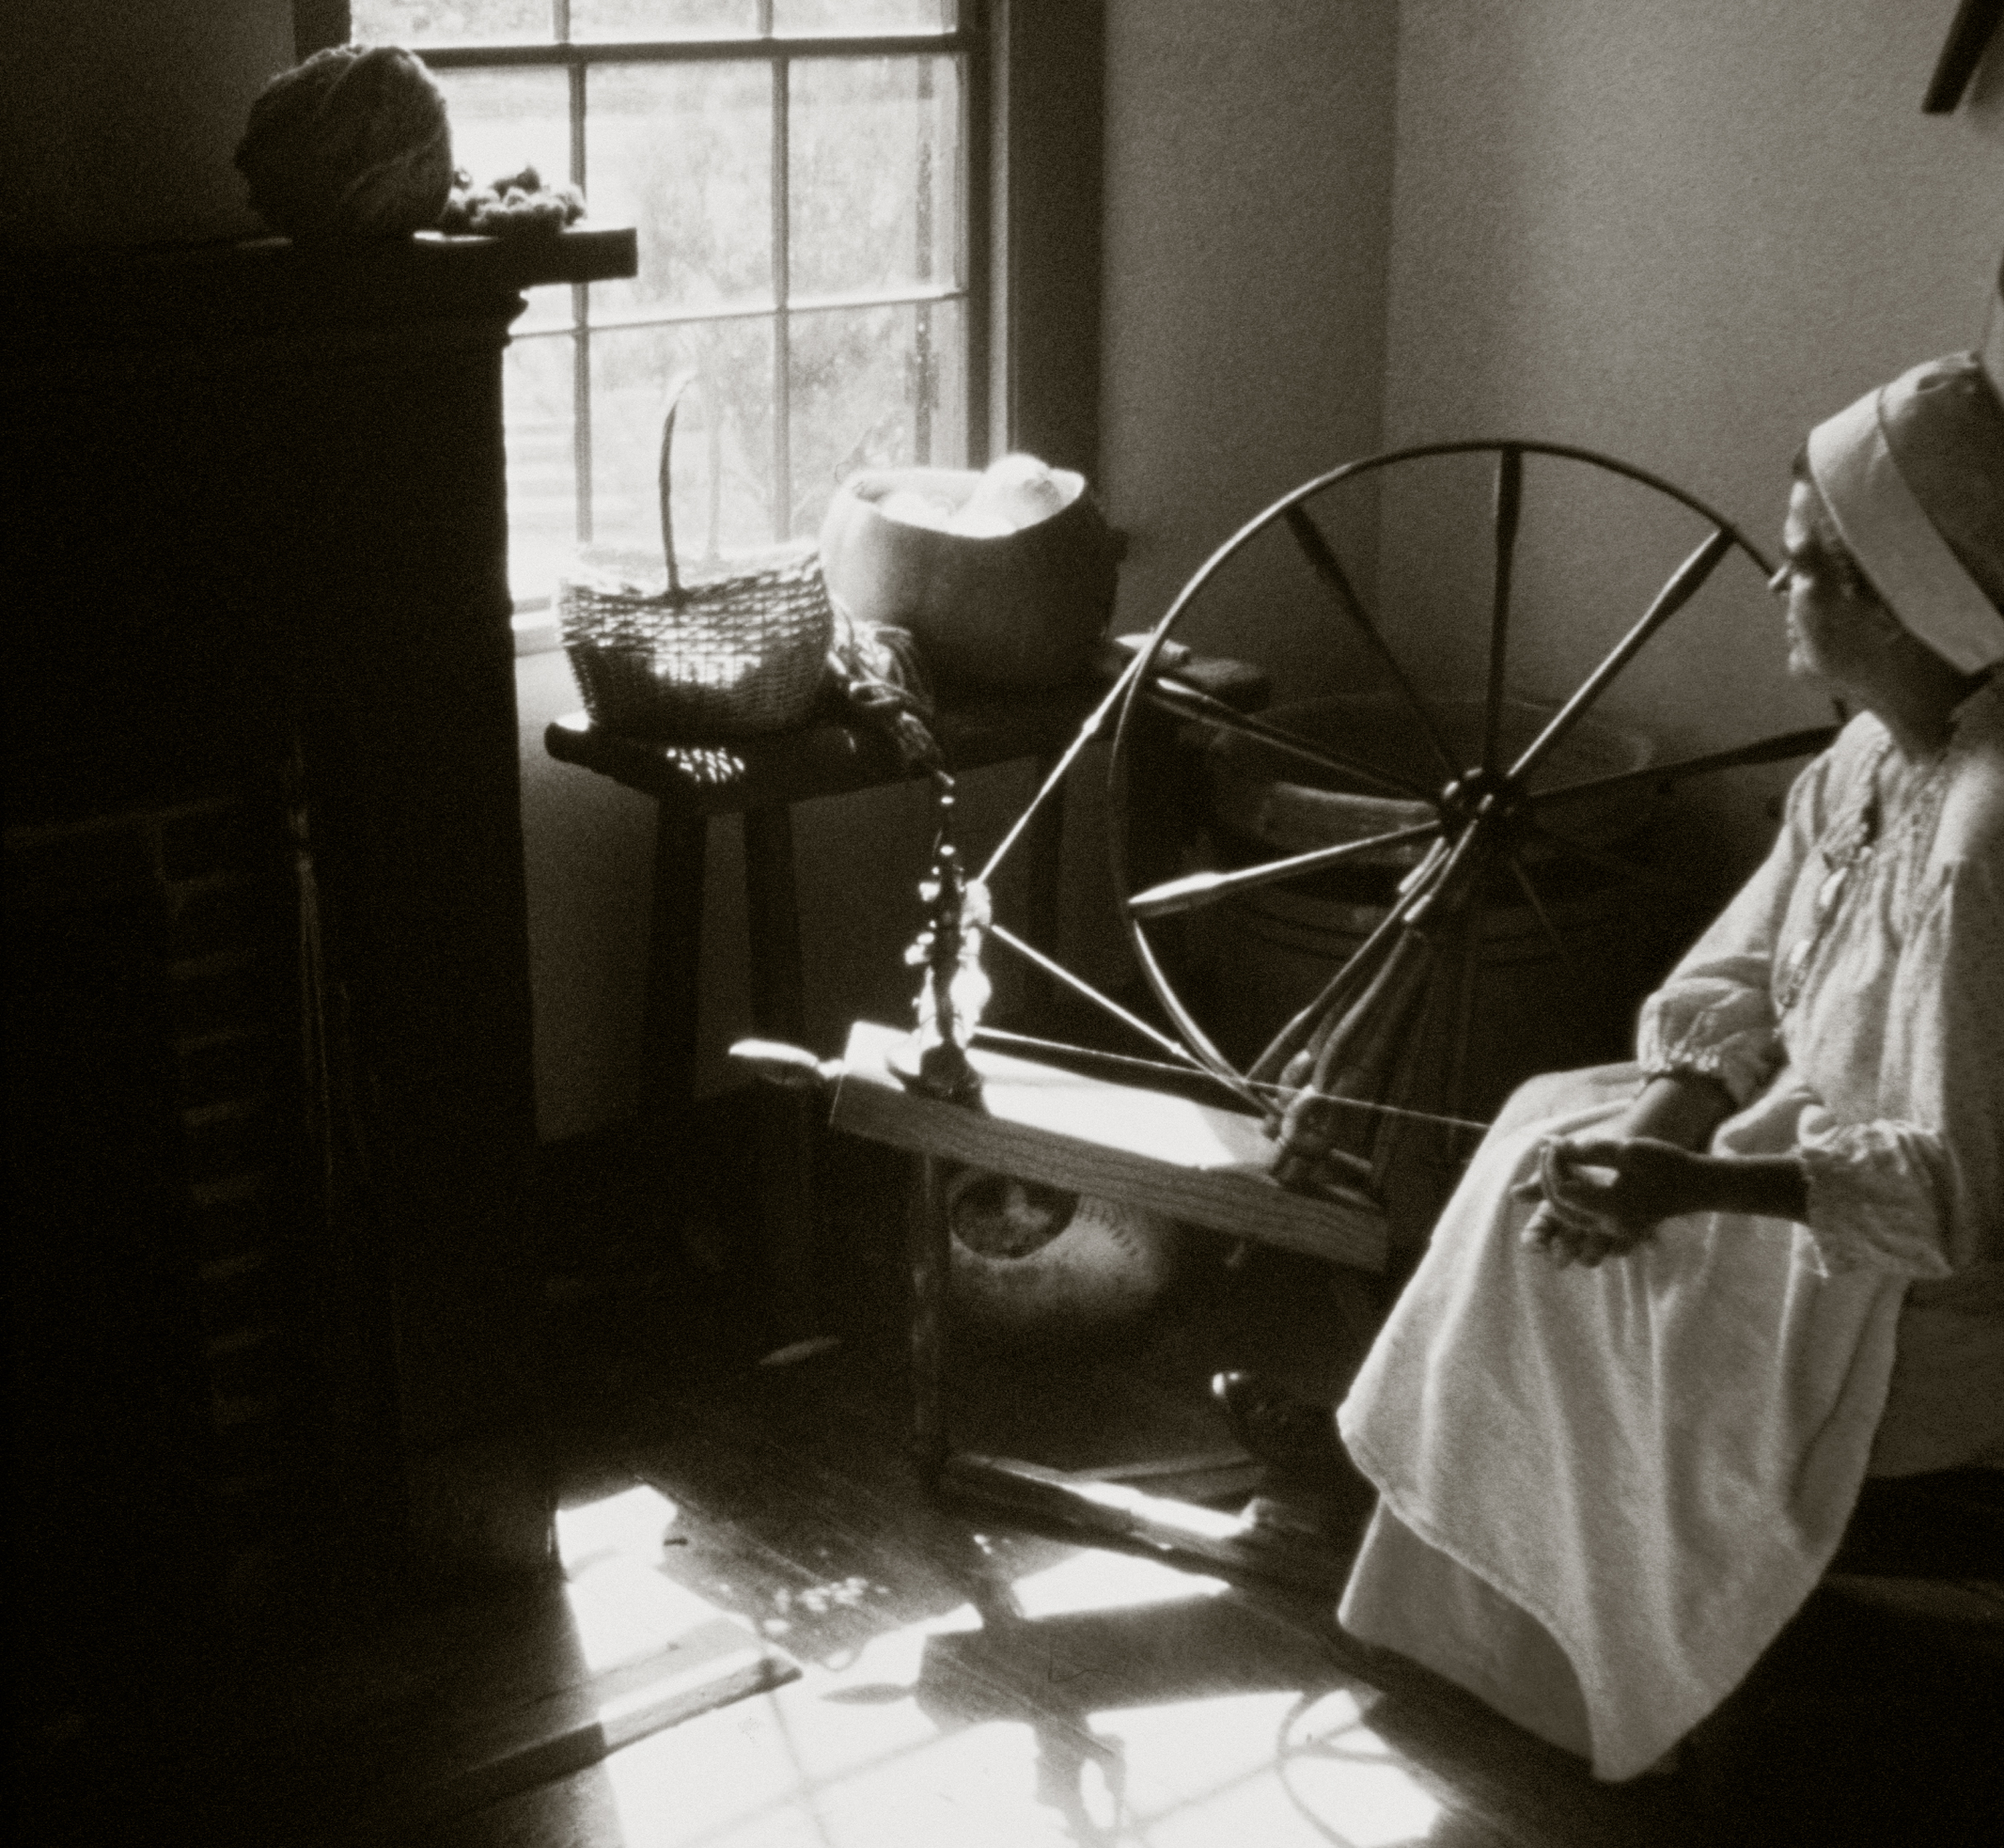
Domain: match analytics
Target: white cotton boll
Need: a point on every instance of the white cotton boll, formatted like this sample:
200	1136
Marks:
910	508
1019	490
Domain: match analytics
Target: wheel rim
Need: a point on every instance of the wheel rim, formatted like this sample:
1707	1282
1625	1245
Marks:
1484	813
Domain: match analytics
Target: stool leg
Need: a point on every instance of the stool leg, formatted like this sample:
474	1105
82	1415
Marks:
674	965
785	1121
669	1018
930	1253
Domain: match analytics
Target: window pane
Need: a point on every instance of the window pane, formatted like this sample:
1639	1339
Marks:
450	21
875	200
634	19
836	19
723	465
874	388
505	121
684	152
542	476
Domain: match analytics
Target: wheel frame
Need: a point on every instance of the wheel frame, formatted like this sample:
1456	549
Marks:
1489	797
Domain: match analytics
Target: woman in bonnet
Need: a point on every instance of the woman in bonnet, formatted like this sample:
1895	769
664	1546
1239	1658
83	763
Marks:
1677	1310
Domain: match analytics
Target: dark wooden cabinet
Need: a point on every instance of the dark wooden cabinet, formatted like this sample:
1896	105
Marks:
257	502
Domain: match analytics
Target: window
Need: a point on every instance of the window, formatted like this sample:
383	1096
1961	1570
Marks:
803	175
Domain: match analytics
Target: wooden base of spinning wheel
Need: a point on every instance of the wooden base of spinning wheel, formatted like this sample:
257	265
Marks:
1206	1166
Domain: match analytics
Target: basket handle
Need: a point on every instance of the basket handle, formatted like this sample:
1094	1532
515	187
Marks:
680	384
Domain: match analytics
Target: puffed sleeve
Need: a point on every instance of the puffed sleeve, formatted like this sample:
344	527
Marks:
1918	1188
1715	1016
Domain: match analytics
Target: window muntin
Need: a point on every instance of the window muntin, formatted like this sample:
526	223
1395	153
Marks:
798	174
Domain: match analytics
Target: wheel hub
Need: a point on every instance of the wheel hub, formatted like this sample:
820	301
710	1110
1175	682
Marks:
1491	797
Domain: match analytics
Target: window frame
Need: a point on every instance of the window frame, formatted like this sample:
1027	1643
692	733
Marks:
1034	132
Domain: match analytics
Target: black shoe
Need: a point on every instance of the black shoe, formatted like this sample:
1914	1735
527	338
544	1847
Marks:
1293	1438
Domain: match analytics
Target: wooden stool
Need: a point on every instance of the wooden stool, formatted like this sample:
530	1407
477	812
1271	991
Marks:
759	779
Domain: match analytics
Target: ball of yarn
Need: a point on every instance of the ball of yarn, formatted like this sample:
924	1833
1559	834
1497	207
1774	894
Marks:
353	144
1035	1264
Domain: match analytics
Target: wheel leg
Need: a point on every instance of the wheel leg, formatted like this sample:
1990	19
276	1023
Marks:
931	1258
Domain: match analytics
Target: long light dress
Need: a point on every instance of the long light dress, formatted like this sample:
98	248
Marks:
1603	1491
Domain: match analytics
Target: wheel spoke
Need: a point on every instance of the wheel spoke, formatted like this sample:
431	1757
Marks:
1321	555
1613	863
1509	501
1685	582
1055	776
1107	1004
1037	959
1188	702
1196	890
1775	750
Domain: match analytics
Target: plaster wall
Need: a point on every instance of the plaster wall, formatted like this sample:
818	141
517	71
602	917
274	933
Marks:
1682	234
119	119
1248	188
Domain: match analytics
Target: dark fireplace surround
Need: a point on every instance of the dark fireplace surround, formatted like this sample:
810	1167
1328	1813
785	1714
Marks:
270	1115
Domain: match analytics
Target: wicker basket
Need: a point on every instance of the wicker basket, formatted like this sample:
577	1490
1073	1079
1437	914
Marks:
726	657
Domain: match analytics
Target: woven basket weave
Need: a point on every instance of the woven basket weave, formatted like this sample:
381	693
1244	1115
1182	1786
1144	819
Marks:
725	656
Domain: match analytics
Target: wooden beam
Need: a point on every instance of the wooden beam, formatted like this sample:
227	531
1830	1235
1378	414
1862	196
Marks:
1197	1163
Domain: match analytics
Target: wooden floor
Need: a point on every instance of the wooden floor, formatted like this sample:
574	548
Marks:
964	1682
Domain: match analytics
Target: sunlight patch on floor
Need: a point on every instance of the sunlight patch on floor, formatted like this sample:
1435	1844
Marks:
627	1614
971	1743
1274	1767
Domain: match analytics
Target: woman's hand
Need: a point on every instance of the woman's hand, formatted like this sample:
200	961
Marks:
1600	1198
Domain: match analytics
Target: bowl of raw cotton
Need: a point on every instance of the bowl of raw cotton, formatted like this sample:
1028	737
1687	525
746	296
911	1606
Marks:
1004	575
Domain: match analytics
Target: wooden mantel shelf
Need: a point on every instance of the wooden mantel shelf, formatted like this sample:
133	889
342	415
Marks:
167	295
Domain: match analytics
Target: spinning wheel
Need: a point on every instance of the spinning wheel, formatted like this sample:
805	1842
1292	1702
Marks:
1288	1148
1467	812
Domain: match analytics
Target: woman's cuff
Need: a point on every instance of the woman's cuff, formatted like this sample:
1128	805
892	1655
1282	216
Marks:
1710	1027
1740	1066
1873	1195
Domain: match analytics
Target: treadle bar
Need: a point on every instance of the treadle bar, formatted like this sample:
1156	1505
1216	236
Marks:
1261	1544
